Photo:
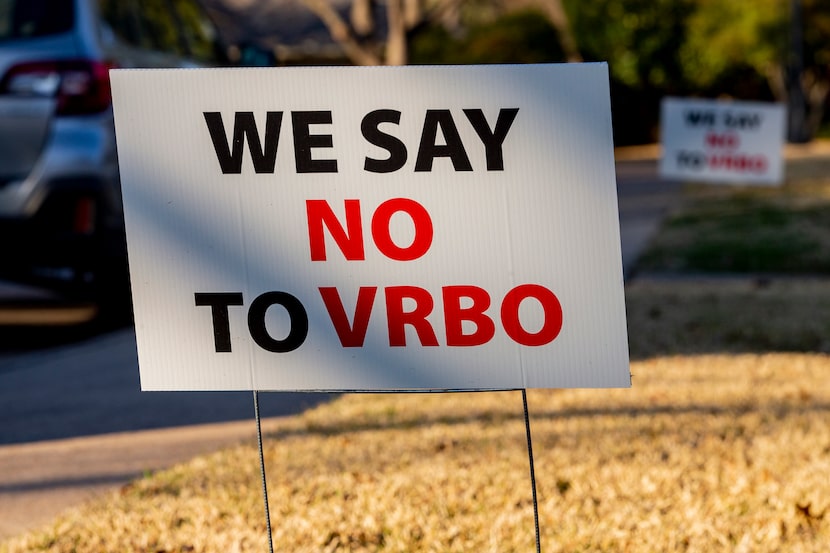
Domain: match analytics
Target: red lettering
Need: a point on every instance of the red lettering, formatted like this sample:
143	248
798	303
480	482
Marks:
720	162
423	229
455	315
728	140
350	241
760	164
466	320
417	318
738	163
510	315
351	335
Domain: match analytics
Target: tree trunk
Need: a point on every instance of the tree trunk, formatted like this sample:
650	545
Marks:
796	100
413	12
396	47
559	18
362	15
817	90
354	36
342	33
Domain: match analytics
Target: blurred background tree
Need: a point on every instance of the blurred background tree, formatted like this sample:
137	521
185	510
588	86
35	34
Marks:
375	33
640	40
768	50
524	36
732	46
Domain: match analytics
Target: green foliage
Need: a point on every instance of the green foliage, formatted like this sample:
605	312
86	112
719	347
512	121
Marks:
744	235
517	37
722	36
701	47
638	38
816	33
431	45
521	37
725	36
654	48
694	46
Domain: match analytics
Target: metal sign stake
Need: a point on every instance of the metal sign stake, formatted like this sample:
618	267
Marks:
532	471
265	482
262	471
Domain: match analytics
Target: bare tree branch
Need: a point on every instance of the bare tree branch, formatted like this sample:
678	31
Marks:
555	12
396	47
413	13
363	20
342	33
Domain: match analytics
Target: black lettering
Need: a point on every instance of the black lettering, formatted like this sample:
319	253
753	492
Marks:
219	303
492	140
453	147
742	120
396	148
692	160
244	127
297	313
695	118
304	141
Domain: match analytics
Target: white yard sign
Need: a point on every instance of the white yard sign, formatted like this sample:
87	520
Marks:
722	141
372	228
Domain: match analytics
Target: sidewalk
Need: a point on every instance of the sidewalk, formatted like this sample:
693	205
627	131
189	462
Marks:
41	479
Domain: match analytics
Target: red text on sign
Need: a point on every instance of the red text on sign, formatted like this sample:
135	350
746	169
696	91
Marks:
410	306
349	238
727	140
729	161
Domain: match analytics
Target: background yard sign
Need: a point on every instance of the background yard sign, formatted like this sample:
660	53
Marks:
372	228
722	141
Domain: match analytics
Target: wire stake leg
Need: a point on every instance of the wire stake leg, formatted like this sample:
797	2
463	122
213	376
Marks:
262	471
532	471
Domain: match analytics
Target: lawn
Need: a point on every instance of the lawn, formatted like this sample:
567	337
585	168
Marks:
705	453
743	230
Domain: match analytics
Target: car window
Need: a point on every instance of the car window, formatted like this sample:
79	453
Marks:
35	18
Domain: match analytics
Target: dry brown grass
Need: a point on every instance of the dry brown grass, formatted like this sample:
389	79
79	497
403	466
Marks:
704	453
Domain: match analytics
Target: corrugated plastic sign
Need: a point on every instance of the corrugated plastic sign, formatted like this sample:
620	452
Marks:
409	228
722	141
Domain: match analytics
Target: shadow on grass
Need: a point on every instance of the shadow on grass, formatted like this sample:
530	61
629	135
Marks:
744	234
350	425
688	315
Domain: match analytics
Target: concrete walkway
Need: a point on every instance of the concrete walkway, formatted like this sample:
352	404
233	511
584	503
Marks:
41	479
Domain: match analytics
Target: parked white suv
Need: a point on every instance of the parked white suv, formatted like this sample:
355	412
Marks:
61	221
